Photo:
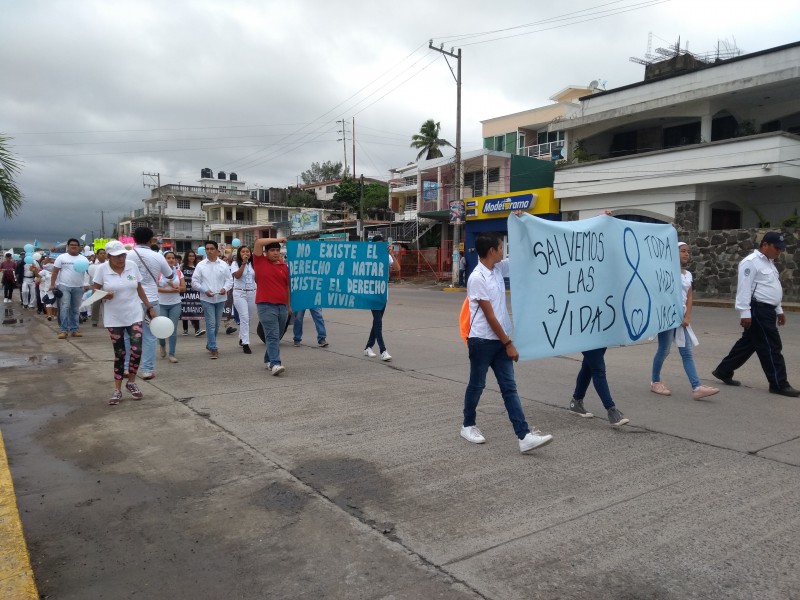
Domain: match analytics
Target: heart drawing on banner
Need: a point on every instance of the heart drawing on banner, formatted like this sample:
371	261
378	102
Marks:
637	322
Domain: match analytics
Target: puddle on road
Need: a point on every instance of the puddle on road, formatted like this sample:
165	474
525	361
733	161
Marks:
31	361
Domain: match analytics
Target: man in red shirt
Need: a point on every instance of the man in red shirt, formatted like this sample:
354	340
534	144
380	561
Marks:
272	297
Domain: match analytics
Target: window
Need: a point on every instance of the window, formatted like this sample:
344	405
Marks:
330	189
494	175
184	203
182	225
222	188
725	219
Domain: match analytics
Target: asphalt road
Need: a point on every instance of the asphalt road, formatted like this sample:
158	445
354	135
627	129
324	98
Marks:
347	478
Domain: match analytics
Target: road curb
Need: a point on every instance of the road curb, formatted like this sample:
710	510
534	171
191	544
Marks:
16	574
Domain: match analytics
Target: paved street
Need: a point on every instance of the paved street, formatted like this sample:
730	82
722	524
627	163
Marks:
346	478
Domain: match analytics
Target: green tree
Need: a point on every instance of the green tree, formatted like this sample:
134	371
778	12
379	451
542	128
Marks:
301	198
326	171
428	142
9	192
348	192
375	196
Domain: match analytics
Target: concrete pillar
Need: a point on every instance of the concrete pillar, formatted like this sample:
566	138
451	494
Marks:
485	175
705	128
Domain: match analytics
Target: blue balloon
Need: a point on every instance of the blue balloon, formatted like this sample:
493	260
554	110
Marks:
28	260
236	242
81	264
15	256
29	248
201	251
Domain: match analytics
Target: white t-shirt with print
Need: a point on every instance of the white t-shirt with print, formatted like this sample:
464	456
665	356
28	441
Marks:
67	274
125	308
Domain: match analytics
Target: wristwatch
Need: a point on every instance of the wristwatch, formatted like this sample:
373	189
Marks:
508	343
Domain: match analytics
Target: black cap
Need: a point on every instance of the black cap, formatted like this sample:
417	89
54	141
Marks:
774	238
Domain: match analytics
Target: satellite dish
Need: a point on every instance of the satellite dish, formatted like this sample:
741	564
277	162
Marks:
593	84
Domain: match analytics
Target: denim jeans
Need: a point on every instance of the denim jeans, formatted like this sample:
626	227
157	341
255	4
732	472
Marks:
376	333
482	355
273	319
319	323
593	369
148	364
69	307
173	313
665	339
213	315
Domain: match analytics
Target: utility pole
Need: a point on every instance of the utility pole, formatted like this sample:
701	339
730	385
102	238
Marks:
344	144
354	148
158	194
459	174
363	236
102	225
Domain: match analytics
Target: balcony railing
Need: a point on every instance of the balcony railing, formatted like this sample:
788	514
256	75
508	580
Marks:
229	222
542	150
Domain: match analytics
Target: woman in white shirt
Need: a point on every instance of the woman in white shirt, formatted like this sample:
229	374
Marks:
122	313
169	304
244	294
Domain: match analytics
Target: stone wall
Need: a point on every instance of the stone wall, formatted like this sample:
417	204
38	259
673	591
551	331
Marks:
716	256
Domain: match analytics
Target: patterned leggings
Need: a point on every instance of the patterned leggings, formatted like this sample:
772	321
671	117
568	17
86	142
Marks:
118	341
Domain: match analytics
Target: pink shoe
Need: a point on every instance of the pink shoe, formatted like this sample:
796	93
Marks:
704	391
659	388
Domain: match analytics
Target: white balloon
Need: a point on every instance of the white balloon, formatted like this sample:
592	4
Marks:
162	327
37	256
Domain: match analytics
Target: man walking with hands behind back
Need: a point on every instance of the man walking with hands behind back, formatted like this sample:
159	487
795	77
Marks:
490	345
212	278
758	300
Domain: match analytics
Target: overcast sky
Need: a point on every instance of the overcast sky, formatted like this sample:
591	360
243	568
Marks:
95	92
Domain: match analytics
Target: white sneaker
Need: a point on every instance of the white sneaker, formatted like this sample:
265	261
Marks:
472	434
534	440
386	356
369	352
268	366
277	370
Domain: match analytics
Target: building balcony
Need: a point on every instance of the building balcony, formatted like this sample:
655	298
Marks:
756	160
542	151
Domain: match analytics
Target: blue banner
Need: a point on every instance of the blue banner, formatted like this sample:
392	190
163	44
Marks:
588	284
338	274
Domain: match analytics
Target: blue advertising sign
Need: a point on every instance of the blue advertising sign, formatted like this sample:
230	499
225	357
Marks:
338	274
589	284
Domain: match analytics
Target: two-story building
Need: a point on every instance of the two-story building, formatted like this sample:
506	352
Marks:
708	144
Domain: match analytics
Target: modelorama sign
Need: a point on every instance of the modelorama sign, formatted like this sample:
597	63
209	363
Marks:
338	274
538	202
589	284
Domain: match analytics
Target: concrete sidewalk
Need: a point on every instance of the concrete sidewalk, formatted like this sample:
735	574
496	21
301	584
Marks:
346	478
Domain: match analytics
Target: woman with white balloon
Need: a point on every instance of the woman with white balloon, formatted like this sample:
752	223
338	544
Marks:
244	293
122	313
169	305
67	286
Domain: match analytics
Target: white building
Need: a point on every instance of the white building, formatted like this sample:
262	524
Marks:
706	144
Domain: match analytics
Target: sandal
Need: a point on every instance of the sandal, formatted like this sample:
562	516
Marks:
116	398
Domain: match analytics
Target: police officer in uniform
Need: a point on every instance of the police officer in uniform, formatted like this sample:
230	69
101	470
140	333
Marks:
758	300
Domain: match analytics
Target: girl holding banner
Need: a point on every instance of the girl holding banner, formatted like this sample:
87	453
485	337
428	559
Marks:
190	299
684	338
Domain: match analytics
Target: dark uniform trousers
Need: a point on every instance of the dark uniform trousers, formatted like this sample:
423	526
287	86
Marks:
762	338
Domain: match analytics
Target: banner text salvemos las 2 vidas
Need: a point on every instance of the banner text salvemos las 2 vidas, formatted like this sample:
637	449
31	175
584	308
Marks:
338	274
589	284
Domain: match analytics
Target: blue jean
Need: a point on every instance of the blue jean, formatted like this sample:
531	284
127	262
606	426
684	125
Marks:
665	339
376	333
482	355
273	319
319	323
593	369
212	311
69	307
148	364
173	313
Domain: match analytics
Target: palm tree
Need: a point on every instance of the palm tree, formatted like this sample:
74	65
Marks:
9	192
428	140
